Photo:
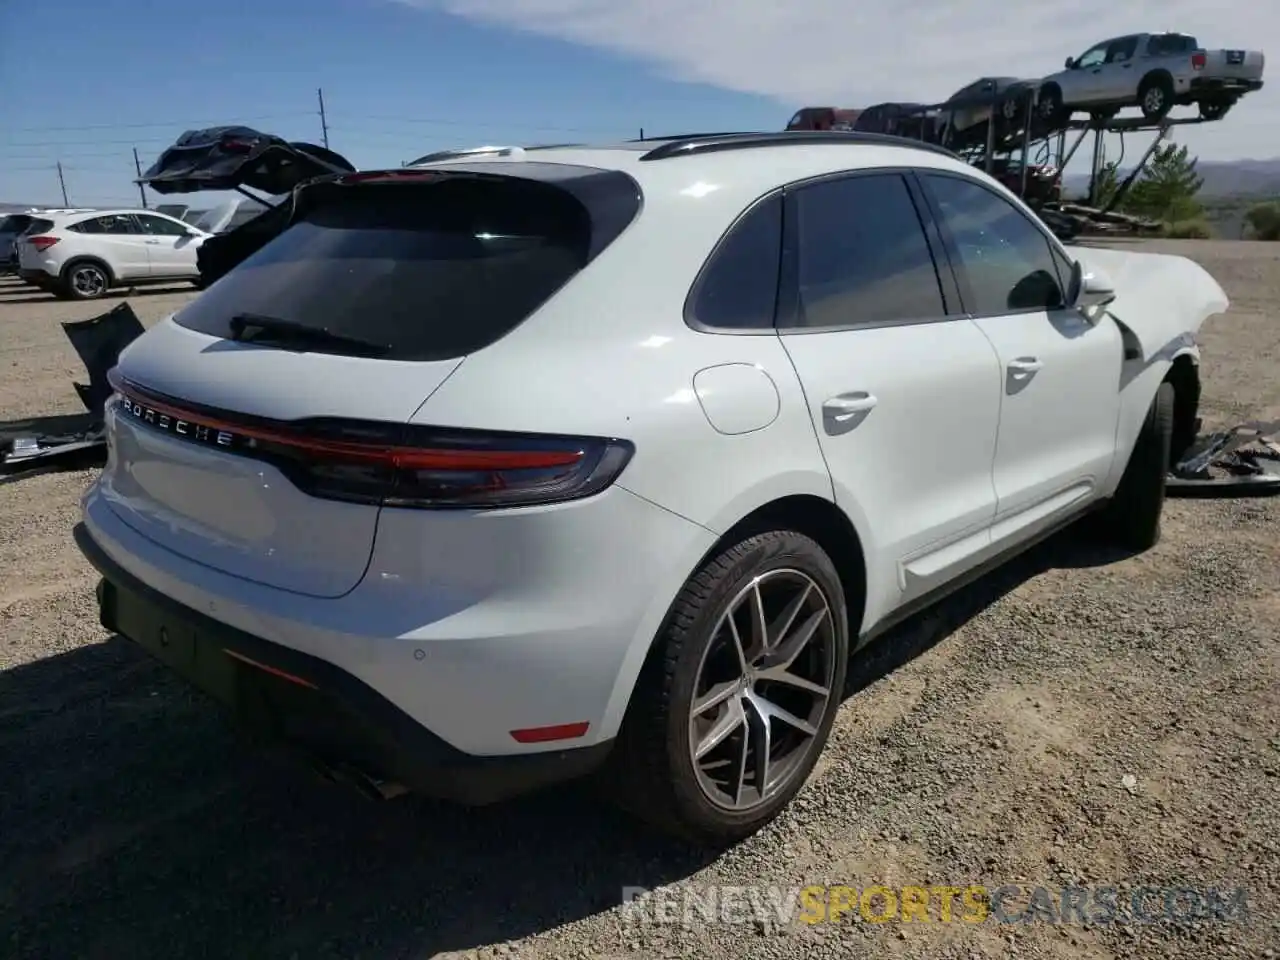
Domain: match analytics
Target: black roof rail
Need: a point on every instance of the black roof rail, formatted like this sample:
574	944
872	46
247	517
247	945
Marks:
697	136
715	142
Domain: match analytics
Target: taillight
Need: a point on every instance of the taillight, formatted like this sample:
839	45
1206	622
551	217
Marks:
396	465
1198	60
42	243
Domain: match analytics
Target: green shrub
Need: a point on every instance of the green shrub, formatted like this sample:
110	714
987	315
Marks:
1263	220
1188	230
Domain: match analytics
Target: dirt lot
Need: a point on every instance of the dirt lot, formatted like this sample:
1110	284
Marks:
1072	720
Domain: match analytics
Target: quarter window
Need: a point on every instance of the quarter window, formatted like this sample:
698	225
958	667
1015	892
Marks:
1006	259
862	254
739	288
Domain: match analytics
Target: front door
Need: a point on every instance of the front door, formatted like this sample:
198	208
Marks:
1083	83
903	390
1061	373
171	246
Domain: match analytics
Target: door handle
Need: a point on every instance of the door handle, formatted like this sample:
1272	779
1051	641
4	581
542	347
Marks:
848	405
1024	366
152	242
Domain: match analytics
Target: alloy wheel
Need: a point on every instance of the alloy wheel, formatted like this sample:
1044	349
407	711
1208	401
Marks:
762	689
88	281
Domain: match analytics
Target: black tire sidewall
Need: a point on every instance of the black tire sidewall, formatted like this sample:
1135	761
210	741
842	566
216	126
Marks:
70	288
764	552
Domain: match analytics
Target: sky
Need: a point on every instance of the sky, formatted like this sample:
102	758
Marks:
404	77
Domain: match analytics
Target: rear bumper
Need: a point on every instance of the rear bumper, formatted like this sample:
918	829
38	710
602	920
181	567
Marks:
311	704
1224	86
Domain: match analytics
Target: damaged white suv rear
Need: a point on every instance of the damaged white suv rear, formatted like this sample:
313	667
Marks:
496	472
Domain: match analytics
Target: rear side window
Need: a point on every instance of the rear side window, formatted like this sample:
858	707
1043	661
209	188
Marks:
115	223
432	271
738	289
863	256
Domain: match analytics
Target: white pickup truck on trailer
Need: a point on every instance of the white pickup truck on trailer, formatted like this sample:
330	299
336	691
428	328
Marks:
1152	71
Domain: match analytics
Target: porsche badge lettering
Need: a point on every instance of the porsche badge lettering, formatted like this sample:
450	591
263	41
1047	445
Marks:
182	428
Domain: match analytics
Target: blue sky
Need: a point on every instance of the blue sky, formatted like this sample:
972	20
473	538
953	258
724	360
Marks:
403	77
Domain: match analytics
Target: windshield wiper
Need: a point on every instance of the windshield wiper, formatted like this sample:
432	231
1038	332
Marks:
279	329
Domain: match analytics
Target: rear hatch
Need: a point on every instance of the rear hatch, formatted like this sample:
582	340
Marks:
259	430
233	158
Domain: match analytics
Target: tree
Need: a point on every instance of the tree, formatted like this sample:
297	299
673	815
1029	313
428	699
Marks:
1264	221
1167	188
1108	180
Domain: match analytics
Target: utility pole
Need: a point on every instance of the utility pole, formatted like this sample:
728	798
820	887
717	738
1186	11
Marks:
324	123
137	165
642	133
63	184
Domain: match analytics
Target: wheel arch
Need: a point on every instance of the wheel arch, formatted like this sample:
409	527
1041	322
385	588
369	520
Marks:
88	258
1158	75
816	517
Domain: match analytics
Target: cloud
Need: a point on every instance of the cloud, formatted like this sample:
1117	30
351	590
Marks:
854	54
835	51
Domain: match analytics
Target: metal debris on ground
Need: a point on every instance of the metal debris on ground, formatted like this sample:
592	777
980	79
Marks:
25	449
1241	462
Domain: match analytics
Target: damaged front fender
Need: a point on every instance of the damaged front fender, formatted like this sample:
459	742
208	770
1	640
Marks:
1162	300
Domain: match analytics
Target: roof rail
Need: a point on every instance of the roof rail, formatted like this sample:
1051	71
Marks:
440	155
715	142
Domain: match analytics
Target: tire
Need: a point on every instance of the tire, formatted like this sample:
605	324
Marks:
1049	106
1155	96
1214	110
1132	519
653	773
85	280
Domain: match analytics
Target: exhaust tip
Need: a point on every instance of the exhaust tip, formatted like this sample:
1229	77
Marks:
369	786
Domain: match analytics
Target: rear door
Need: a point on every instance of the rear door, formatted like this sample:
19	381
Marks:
1061	373
117	239
904	391
1119	75
171	246
424	272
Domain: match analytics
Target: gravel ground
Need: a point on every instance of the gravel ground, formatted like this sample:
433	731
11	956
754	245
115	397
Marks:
1073	720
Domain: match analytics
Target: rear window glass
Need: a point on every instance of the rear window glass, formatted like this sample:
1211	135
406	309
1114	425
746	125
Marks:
1171	43
37	225
433	271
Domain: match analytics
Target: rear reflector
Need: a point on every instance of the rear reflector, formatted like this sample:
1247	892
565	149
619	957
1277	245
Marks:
392	464
563	731
42	243
271	670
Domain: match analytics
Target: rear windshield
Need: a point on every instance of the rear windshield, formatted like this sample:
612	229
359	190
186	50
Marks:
14	224
37	225
434	271
1168	44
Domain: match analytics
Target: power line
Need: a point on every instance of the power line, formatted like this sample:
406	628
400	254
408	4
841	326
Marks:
185	124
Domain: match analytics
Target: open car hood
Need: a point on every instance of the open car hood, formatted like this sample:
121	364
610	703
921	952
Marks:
229	158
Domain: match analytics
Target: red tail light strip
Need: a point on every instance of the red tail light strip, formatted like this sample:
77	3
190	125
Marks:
407	458
42	243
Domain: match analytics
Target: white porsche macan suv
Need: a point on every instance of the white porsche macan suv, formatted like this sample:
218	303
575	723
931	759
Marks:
499	471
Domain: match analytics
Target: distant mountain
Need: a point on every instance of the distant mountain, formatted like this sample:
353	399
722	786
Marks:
1235	178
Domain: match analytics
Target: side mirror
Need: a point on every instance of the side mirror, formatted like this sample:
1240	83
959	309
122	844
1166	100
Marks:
1090	290
1070	64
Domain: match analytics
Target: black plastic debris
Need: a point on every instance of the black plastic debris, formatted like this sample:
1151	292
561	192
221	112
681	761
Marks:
1241	462
75	442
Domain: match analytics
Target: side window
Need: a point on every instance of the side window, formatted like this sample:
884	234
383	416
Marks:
1122	50
862	254
159	226
1006	259
116	223
92	225
738	288
1092	57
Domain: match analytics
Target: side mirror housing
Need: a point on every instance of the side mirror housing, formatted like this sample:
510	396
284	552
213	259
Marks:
1090	290
1071	63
